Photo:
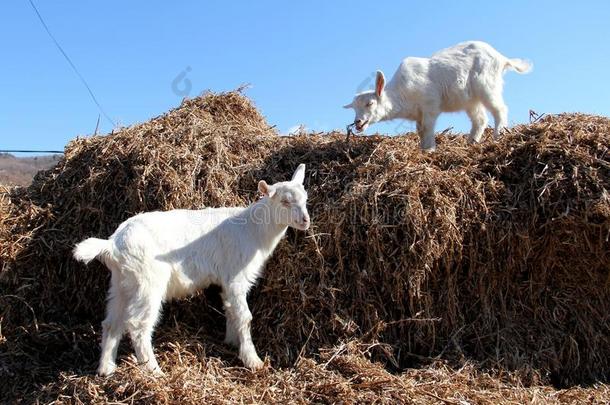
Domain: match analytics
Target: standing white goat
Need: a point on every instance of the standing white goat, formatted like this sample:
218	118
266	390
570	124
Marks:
467	77
159	256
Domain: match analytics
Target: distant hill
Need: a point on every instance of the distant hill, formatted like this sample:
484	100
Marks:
19	171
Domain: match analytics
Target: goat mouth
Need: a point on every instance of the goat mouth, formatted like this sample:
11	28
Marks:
361	127
303	226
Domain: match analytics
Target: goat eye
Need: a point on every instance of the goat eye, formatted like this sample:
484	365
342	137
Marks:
370	103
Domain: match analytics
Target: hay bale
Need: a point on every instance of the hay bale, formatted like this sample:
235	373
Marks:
496	254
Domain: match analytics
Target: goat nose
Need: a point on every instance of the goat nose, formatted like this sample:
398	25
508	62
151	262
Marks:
306	218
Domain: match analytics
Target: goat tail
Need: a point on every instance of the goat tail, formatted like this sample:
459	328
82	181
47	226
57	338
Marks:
90	249
519	65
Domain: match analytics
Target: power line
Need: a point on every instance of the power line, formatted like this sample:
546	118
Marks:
30	151
71	64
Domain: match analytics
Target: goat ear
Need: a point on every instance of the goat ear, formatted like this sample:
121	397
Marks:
350	105
266	189
299	174
379	83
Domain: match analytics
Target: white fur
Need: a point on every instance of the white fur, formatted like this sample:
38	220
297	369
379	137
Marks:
466	77
159	256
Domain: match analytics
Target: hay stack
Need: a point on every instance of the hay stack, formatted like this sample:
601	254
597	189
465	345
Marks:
496	254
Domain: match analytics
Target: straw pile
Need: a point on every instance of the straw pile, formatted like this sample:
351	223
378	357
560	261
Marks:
485	266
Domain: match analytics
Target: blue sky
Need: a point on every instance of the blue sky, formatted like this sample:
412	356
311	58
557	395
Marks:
303	59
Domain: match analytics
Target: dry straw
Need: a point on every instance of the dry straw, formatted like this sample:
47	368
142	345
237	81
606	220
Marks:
487	266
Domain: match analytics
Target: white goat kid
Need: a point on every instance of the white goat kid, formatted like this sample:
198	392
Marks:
159	256
466	77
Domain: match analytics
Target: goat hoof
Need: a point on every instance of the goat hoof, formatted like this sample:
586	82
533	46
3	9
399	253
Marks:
157	372
498	134
253	363
153	368
106	369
